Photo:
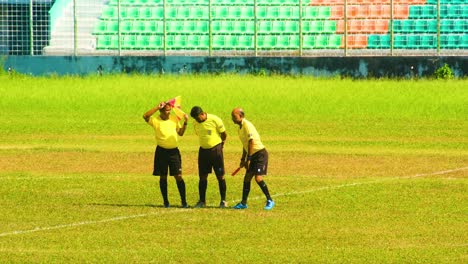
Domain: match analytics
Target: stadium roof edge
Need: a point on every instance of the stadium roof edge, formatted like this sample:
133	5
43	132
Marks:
23	2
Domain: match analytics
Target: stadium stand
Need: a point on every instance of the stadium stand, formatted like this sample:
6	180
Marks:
190	25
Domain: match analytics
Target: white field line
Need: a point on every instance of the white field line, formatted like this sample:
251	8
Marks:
114	219
122	218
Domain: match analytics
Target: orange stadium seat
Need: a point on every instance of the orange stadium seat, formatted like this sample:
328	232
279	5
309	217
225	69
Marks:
356	42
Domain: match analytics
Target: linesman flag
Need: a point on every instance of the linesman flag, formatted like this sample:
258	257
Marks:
176	106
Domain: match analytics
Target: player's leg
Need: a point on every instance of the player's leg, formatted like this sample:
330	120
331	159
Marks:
175	169
245	191
259	165
218	167
204	168
202	186
163	188
160	169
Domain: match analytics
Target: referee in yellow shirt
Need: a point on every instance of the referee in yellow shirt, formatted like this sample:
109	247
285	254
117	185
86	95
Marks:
254	158
212	135
167	131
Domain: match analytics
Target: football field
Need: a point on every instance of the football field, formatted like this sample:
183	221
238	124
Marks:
361	171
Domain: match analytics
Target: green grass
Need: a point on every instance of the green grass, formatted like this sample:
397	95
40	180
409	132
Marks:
353	170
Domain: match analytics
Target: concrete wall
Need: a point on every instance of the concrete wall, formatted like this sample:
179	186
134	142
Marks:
358	67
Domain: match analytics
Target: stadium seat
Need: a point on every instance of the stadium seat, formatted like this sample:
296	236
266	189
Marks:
265	26
266	42
101	28
356	42
245	42
292	27
155	42
218	41
128	42
142	42
314	26
423	11
308	41
197	42
244	27
126	26
378	42
329	26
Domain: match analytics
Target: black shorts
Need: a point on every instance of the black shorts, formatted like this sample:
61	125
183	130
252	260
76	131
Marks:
259	163
164	158
209	159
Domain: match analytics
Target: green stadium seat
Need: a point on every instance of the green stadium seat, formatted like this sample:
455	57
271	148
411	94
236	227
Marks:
146	13
422	11
404	26
171	12
378	42
218	42
428	41
103	42
202	27
292	26
180	41
329	26
154	26
454	11
308	41
443	2
313	26
261	12
288	42
109	13
401	42
278	27
264	26
464	42
142	42
130	13
157	13
174	26
220	12
321	41
155	42
139	27
126	26
244	27
199	13
245	42
324	12
231	42
112	27
197	42
128	42
310	12
266	42
334	41
101	28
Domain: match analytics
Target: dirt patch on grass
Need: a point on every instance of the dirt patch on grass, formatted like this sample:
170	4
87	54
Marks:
297	163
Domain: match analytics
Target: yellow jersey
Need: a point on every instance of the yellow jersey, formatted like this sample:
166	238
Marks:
165	131
209	131
246	132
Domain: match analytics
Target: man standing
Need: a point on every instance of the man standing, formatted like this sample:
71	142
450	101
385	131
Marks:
254	158
212	135
167	130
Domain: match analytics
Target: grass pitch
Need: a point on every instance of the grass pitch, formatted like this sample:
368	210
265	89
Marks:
362	172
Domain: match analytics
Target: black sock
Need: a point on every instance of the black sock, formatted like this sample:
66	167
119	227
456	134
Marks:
163	188
181	187
245	192
222	189
264	188
202	185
